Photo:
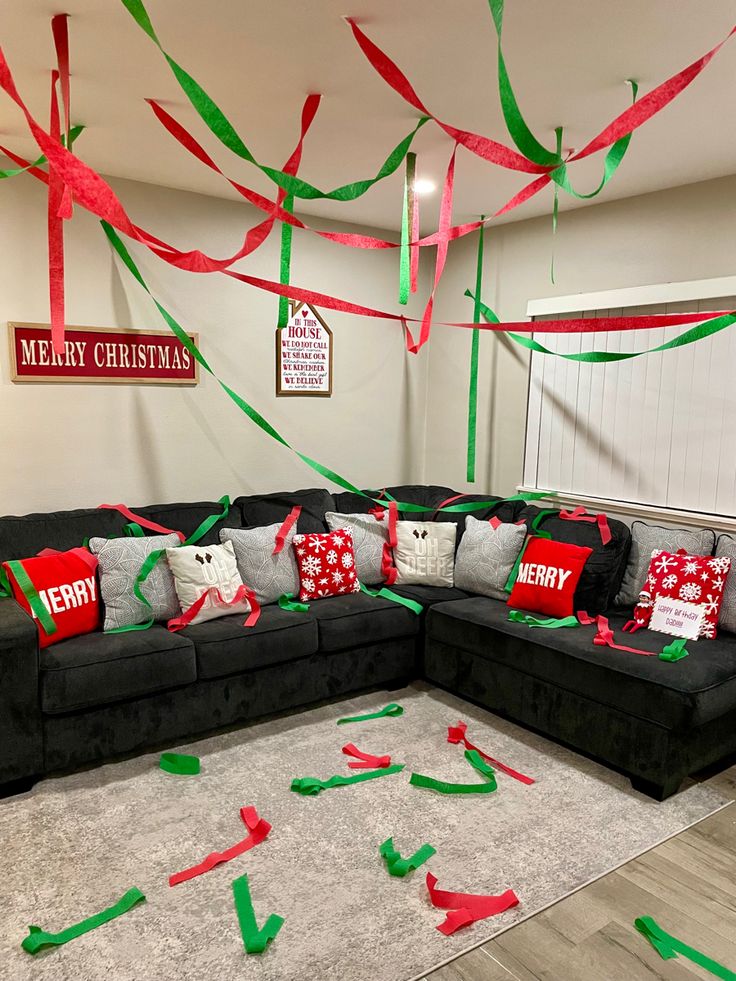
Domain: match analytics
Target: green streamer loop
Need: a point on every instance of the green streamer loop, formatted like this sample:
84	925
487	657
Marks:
474	353
669	947
255	941
516	616
287	231
287	602
31	594
442	787
180	764
311	786
389	594
400	867
39	939
674	651
393	710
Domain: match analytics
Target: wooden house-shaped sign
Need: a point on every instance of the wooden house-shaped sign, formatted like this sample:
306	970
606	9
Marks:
304	354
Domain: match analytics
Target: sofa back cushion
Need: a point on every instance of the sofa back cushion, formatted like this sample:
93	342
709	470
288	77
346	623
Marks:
645	538
25	535
259	510
602	573
726	549
185	517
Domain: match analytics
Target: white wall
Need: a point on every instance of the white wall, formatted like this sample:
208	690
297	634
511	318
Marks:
679	234
66	445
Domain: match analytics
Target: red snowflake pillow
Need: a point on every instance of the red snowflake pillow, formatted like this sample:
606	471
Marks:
326	564
691	578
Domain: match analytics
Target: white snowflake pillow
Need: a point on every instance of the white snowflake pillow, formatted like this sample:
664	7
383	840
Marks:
425	552
369	538
326	564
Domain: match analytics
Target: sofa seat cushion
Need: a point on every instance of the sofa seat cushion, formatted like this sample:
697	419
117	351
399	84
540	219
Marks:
430	595
225	646
357	620
98	668
676	695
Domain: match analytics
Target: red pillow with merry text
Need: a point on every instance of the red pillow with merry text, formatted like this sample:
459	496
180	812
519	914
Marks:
326	564
66	583
548	577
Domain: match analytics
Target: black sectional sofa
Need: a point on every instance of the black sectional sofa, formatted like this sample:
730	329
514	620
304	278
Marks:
93	697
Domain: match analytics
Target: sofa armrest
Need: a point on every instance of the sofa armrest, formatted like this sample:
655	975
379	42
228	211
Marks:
21	742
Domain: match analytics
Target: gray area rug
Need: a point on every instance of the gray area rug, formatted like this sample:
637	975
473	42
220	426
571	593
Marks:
75	844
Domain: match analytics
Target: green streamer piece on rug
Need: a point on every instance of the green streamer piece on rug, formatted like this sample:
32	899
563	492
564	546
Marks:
311	786
668	947
474	352
180	763
389	594
38	939
287	602
255	941
442	787
674	651
392	709
516	616
398	866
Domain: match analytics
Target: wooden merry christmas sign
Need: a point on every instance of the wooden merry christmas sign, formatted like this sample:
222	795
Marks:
304	354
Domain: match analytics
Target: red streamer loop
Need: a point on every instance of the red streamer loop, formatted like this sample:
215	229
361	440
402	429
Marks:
456	734
604	636
242	593
365	761
580	514
289	521
258	829
143	522
388	569
466	908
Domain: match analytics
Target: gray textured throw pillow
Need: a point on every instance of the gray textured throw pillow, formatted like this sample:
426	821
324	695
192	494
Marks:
120	561
369	537
268	575
644	540
726	548
486	556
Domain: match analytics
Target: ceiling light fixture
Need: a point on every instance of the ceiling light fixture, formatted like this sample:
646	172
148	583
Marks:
423	185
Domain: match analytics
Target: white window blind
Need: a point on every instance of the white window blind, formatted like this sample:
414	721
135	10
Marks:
659	430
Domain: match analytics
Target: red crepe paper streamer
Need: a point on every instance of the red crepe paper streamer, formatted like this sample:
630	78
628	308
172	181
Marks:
466	908
55	227
143	522
604	636
365	761
579	514
60	31
456	734
289	521
258	829
388	569
242	593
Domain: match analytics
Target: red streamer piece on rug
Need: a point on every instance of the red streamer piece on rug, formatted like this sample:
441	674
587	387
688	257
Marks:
242	593
288	523
579	514
456	734
466	908
143	522
365	761
258	829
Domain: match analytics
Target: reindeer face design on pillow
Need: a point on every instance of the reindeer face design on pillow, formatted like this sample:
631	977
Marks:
425	552
216	569
197	569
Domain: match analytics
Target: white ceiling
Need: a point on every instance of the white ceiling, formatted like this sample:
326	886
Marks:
259	58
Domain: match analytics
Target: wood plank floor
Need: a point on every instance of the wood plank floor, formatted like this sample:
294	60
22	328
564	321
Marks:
688	884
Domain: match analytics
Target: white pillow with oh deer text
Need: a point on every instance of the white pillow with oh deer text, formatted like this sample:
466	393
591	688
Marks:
425	552
196	569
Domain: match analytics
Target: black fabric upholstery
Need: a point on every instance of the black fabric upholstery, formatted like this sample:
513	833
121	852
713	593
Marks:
224	646
266	509
187	517
24	536
601	577
20	714
349	503
356	619
429	496
429	595
676	695
98	668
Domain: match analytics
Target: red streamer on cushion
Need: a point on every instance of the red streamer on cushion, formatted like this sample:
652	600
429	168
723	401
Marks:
456	734
450	500
258	829
580	514
212	592
365	761
143	522
388	569
466	908
604	636
288	523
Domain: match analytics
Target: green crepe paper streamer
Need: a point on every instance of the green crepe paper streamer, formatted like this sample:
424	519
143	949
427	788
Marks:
398	866
255	941
668	947
474	349
31	594
555	208
404	255
133	530
393	710
442	787
180	764
285	265
37	938
389	594
218	124
5	587
13	172
287	602
516	616
674	651
311	786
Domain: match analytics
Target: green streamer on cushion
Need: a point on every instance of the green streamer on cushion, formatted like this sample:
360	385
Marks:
38	939
400	867
132	530
287	231
516	616
210	521
442	787
5	588
389	594
393	710
669	947
180	763
255	941
287	602
674	651
474	352
311	786
31	594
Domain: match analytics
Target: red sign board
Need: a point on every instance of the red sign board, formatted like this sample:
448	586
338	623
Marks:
102	355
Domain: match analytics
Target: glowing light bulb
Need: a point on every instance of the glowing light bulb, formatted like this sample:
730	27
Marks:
422	185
